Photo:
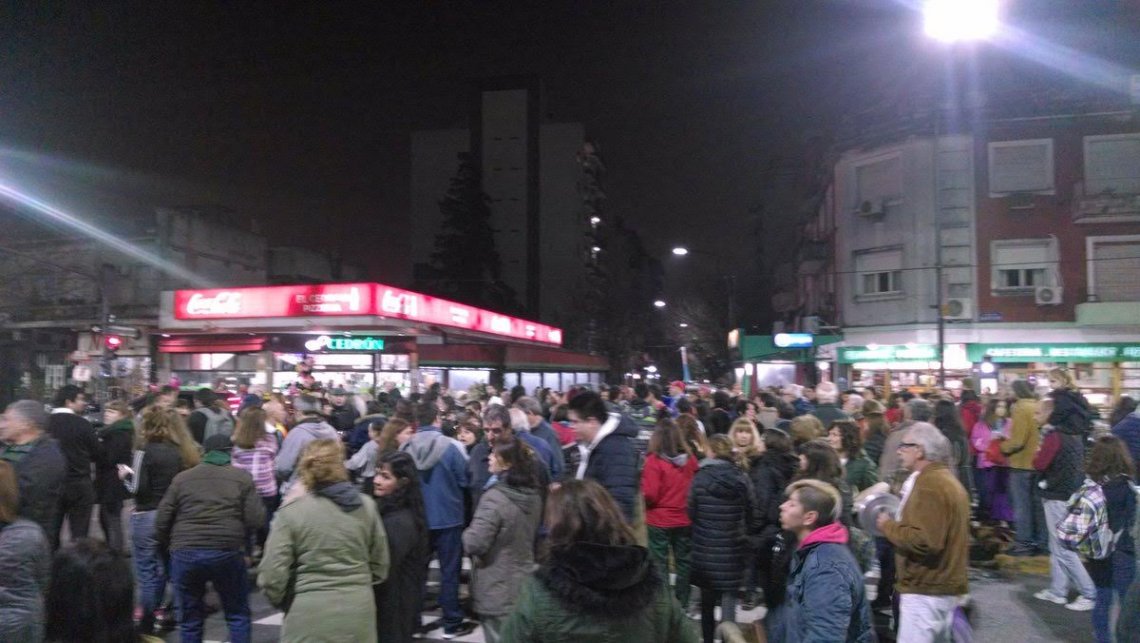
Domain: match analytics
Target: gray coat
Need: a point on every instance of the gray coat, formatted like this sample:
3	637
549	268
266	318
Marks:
500	542
25	564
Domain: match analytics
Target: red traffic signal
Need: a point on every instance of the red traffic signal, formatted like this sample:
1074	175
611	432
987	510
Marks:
113	342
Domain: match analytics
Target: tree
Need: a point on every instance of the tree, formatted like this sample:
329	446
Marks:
703	334
465	266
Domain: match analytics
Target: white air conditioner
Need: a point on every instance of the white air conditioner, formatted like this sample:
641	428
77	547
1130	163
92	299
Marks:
871	209
1048	295
958	308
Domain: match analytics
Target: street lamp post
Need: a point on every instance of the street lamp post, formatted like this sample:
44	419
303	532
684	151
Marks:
951	21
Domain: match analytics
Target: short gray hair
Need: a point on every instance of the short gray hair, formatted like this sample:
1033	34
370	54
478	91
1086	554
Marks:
935	446
497	413
31	412
920	410
518	420
529	405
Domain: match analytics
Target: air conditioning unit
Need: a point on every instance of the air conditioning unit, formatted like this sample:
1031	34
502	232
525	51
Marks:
958	308
1048	295
872	209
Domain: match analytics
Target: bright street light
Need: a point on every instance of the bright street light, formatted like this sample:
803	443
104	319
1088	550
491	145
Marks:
660	303
958	20
680	251
683	325
595	220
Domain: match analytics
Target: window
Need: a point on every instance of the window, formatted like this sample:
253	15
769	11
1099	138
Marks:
879	182
1114	263
1112	164
1021	166
1021	265
878	273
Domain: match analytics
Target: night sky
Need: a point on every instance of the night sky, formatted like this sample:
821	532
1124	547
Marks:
299	115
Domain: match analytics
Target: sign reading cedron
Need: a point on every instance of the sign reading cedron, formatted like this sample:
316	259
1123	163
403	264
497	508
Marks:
360	299
358	344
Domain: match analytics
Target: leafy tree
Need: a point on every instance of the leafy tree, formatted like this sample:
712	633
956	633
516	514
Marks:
465	266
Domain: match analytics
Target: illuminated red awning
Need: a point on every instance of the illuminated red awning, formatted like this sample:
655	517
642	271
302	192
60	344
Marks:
211	344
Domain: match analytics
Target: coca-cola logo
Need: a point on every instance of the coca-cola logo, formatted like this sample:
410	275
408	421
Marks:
223	303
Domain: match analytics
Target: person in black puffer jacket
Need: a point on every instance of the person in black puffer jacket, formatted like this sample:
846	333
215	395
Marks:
720	506
770	474
1070	409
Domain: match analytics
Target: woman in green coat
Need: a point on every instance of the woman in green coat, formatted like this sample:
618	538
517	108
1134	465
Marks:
596	584
325	551
844	436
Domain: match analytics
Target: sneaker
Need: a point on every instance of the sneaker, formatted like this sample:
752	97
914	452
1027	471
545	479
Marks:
463	629
1048	595
1020	550
1080	604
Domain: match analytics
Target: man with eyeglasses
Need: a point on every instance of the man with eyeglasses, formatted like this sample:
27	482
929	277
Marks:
931	537
498	426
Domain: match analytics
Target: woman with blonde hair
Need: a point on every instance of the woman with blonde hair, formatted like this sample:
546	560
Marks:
255	451
746	440
806	428
596	583
326	549
165	449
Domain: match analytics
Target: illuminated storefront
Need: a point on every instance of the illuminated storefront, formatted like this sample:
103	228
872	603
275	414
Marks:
360	335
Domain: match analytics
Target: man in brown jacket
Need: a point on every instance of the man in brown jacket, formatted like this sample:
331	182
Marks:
931	537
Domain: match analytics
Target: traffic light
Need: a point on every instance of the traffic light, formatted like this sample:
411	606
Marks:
112	343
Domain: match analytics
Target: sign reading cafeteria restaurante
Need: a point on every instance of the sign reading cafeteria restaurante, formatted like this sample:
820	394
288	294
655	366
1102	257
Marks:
1022	353
360	299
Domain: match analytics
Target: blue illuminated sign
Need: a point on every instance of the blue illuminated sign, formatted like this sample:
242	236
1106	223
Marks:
793	340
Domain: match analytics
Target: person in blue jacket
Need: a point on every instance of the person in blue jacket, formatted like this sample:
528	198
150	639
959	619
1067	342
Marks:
826	599
443	476
605	441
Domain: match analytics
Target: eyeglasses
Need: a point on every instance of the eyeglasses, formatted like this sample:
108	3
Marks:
908	445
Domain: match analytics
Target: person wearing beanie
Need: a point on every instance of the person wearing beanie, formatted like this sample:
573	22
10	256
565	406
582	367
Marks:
202	523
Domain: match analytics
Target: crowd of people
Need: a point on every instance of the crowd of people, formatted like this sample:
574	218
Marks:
589	515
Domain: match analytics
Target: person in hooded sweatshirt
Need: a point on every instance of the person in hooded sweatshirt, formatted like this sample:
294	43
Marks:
826	593
605	443
721	508
203	522
310	426
596	584
443	472
327	548
665	482
500	539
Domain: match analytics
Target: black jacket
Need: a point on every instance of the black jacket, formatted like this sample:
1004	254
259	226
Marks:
613	463
116	442
211	506
1066	471
770	473
78	443
40	473
399	597
1071	410
161	462
720	506
601	580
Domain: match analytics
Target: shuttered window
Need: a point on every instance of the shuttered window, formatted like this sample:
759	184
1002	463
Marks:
1020	265
1116	269
1021	166
879	272
1112	164
879	182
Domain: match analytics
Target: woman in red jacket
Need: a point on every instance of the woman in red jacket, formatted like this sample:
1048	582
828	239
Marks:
665	480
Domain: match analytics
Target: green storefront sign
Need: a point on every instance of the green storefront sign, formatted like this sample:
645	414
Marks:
914	352
357	344
1020	353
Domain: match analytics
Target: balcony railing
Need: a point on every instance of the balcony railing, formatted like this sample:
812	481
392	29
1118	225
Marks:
1106	207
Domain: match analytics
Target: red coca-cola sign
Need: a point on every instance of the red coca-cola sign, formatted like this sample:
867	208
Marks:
330	300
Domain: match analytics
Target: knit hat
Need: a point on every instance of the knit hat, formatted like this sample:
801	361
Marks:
873	407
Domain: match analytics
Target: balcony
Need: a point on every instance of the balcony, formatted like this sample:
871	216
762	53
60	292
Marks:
1106	207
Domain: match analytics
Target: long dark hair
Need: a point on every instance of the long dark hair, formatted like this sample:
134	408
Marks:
851	441
520	462
582	511
1109	458
947	419
91	596
407	495
822	461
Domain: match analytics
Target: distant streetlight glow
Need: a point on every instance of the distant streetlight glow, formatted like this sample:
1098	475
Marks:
680	251
683	325
960	20
660	303
595	220
596	249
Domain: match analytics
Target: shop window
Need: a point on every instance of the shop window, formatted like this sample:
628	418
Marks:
1021	166
878	274
394	362
1112	164
552	381
461	379
531	381
510	380
1021	265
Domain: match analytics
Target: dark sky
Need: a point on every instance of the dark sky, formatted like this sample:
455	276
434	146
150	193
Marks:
299	114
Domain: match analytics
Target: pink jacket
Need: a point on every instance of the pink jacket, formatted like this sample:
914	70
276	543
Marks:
980	437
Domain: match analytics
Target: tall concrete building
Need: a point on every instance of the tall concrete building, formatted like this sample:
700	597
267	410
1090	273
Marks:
529	173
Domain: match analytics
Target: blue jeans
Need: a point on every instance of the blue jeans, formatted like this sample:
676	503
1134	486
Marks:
1028	511
448	547
191	569
1123	573
150	571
